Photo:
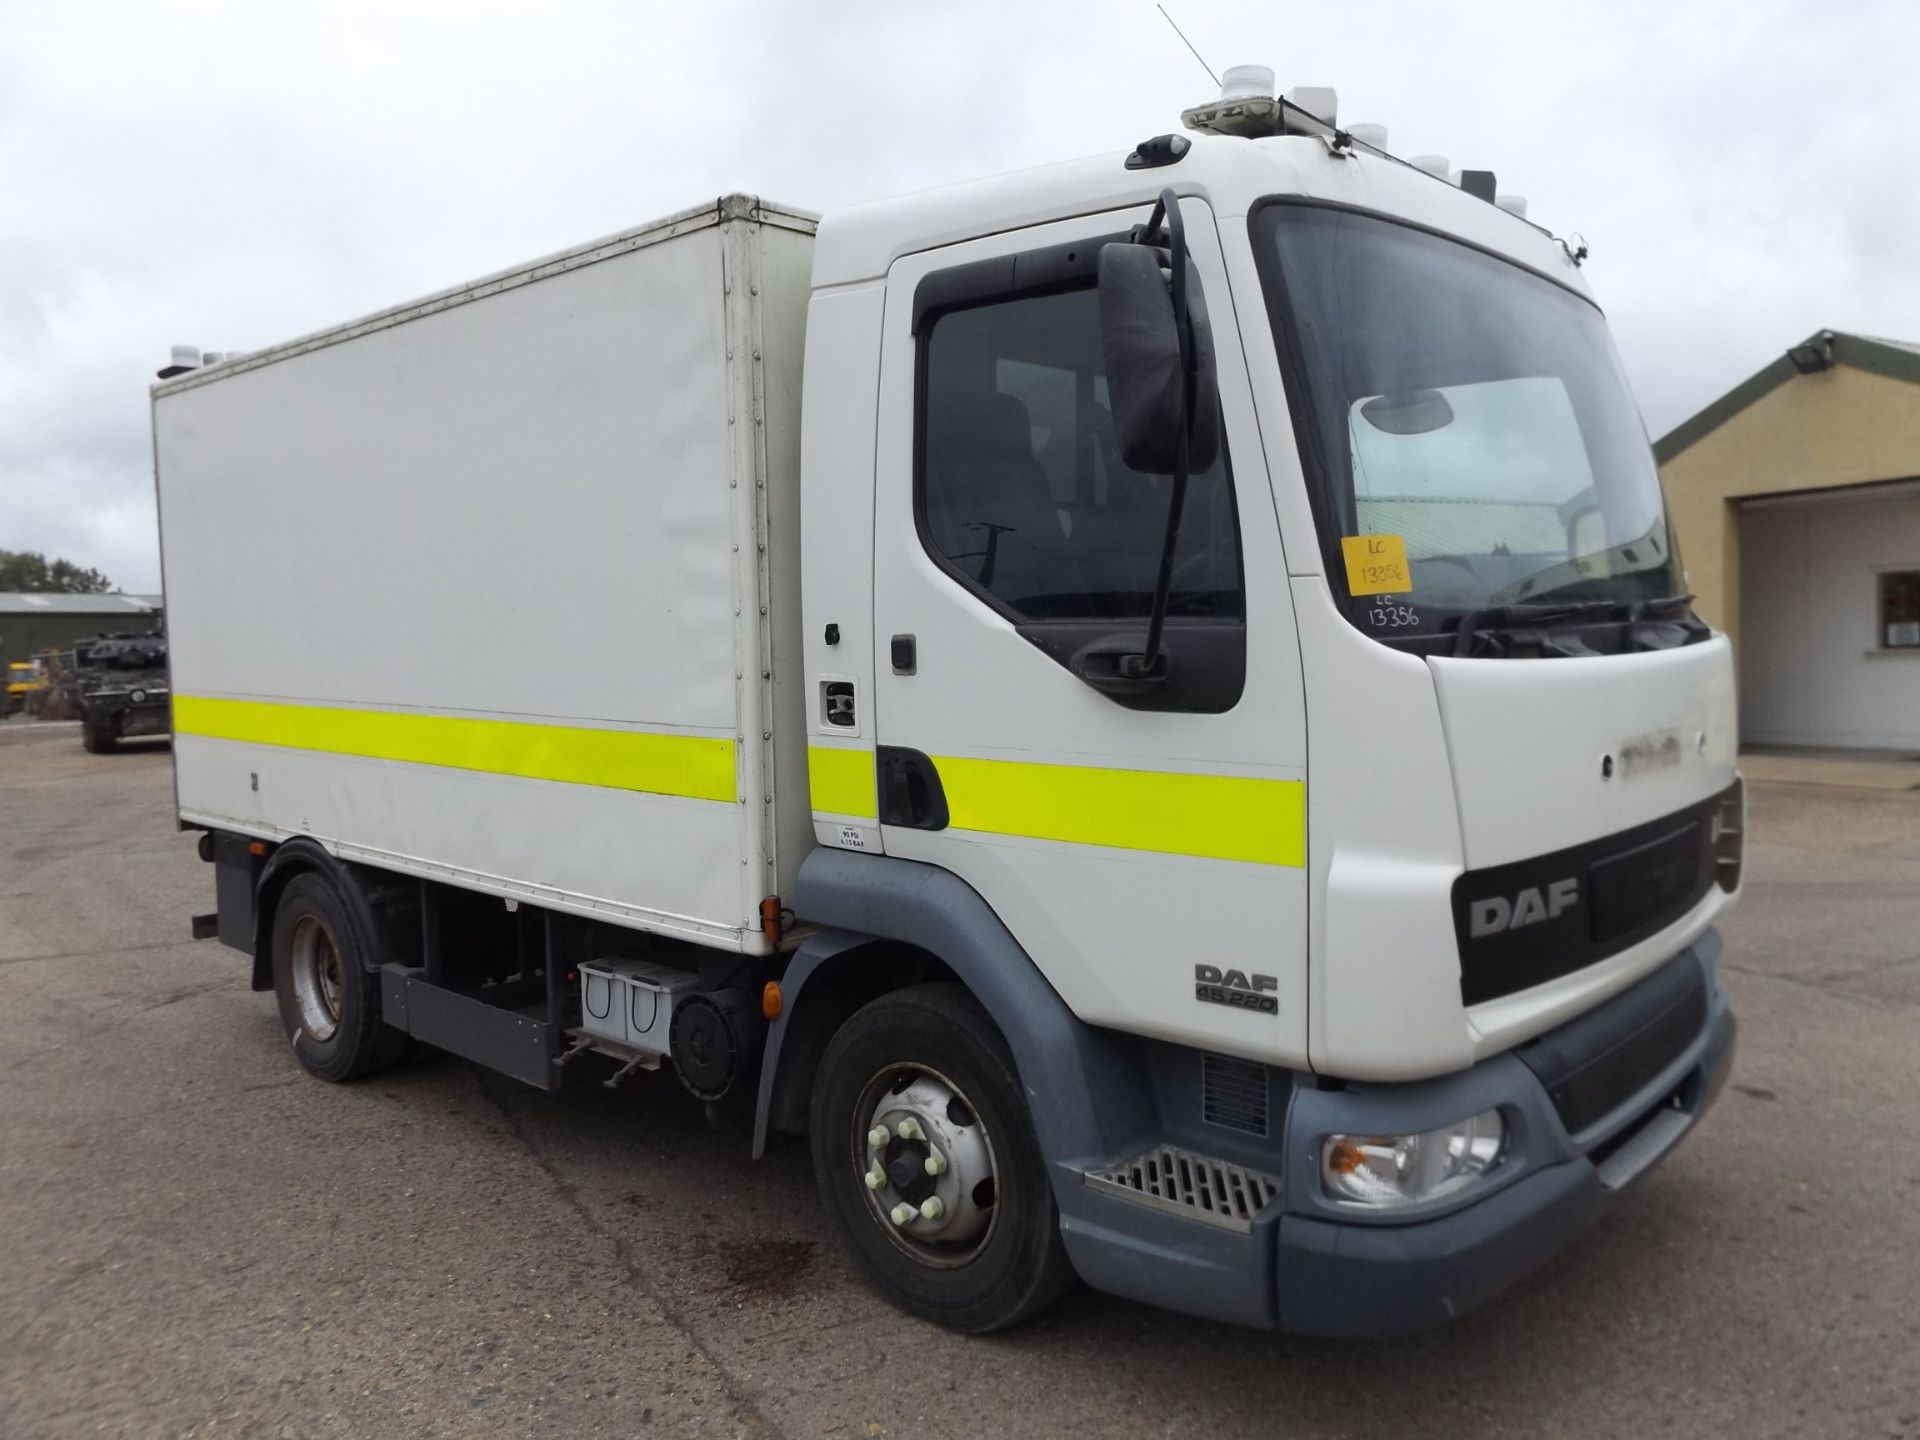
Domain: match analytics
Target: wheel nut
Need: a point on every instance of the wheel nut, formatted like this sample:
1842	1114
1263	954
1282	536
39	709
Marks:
908	1129
878	1137
876	1177
931	1208
903	1212
936	1164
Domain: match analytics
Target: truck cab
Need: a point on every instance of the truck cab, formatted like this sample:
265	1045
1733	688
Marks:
1402	876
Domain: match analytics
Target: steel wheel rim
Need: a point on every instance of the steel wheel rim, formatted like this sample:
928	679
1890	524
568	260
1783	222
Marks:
969	1214
317	974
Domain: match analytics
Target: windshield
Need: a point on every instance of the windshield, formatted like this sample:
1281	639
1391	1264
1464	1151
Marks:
1467	427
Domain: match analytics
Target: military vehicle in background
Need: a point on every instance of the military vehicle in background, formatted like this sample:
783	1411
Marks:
117	685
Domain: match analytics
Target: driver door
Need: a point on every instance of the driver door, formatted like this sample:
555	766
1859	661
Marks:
1145	850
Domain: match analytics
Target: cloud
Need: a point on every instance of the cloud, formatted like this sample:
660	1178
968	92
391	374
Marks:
229	175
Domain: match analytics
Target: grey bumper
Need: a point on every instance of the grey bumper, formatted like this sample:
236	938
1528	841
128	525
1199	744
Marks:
1305	1266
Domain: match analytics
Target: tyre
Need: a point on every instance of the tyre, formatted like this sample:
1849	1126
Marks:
927	1161
98	739
329	1003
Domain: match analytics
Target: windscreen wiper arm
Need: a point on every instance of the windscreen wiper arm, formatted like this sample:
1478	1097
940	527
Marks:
1507	618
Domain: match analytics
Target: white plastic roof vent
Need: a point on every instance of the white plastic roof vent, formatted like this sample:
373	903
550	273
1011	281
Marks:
1512	204
1366	134
1320	101
185	358
1435	165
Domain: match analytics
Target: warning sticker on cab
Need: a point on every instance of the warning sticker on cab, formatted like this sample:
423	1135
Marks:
1376	564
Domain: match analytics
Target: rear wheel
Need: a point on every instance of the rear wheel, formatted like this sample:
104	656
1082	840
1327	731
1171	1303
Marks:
329	1002
927	1161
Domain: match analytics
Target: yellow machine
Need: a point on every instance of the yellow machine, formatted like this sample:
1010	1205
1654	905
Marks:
25	686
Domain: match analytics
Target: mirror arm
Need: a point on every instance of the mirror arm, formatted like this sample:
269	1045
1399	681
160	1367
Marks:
1168	207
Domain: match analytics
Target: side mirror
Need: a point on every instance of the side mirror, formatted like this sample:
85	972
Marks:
1141	342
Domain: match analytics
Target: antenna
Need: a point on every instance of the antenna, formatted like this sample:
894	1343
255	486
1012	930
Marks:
1188	43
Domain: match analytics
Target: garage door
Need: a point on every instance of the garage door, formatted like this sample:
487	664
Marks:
1830	619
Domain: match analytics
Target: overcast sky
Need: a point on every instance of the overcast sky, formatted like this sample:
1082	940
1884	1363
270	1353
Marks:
228	175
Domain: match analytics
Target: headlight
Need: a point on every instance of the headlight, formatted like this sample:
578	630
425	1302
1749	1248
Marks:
1384	1172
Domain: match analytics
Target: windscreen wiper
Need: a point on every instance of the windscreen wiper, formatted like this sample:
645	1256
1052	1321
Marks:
1657	624
1509	619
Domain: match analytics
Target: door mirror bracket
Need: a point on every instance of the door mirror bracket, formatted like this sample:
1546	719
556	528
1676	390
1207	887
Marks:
1166	407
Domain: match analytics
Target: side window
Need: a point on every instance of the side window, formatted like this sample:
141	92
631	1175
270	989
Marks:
1020	488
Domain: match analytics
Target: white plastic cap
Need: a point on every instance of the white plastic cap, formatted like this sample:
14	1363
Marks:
1320	101
212	357
186	356
1435	165
1374	135
1246	82
1512	204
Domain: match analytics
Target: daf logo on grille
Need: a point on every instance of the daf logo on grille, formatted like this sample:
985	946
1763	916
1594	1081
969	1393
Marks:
1236	989
1532	905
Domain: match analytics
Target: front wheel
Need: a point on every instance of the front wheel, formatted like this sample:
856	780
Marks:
928	1164
99	737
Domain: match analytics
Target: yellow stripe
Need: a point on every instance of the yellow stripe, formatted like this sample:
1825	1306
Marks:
696	766
1222	817
841	781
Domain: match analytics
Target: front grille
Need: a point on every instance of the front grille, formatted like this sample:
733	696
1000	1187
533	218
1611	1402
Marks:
1233	1093
1524	923
1180	1181
1645	883
1593	1065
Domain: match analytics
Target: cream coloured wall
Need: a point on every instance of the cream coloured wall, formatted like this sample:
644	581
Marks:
1842	426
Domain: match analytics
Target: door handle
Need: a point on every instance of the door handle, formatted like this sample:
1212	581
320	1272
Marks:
910	792
904	653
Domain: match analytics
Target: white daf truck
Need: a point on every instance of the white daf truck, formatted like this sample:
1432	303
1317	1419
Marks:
1146	707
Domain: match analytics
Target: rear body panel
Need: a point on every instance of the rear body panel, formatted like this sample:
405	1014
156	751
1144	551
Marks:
487	588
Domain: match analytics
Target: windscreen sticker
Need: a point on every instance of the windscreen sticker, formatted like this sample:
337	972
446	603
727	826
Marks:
1376	564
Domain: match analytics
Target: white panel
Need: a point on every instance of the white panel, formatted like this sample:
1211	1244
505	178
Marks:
786	269
660	862
843	361
515	506
1528	739
537	499
1384	840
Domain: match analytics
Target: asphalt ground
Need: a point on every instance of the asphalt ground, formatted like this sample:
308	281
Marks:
196	1239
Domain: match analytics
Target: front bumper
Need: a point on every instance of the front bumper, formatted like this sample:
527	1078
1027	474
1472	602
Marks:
1307	1266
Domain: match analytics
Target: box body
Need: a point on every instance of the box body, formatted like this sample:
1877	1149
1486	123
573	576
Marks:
501	587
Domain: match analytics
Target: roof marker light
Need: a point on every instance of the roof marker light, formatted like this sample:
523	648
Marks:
1247	82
